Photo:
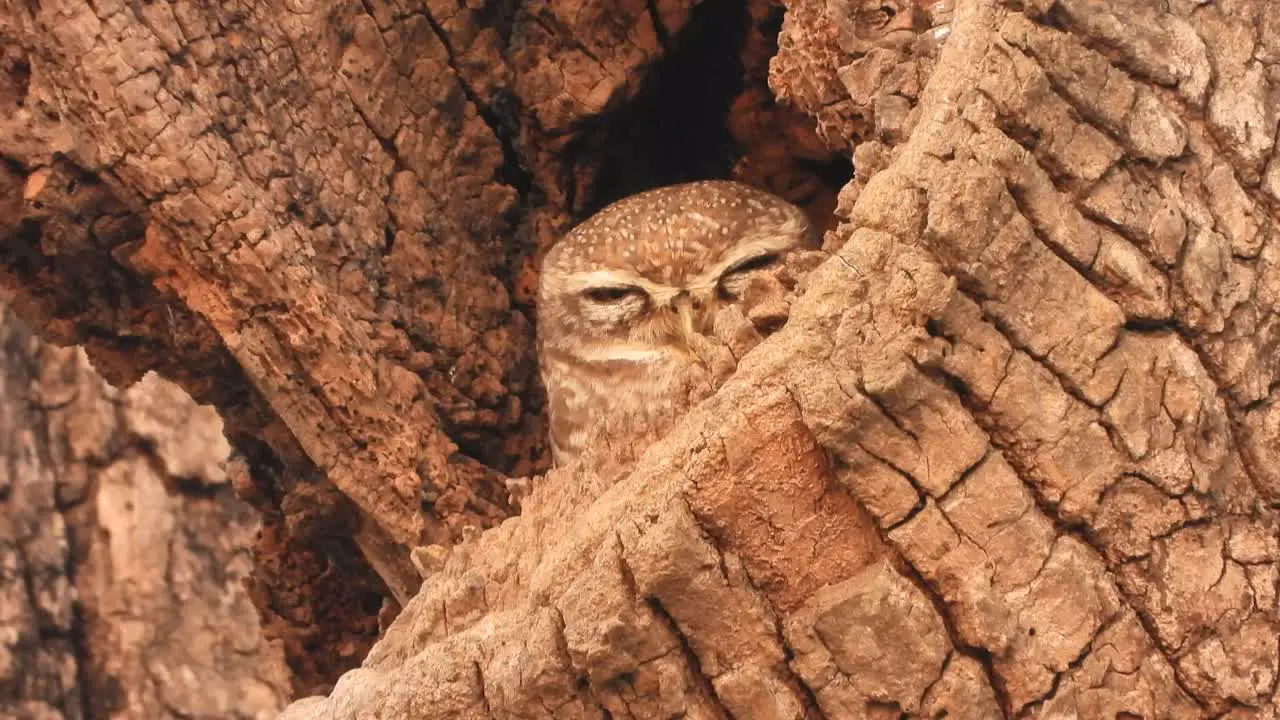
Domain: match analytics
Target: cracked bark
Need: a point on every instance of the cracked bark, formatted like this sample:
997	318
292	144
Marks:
1014	452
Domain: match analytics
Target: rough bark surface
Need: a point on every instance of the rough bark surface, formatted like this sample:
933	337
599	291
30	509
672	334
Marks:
1009	455
1015	453
123	550
323	220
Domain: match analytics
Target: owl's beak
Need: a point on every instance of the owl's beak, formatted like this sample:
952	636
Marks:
685	313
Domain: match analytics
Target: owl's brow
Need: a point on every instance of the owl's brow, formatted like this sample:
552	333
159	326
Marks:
615	278
764	240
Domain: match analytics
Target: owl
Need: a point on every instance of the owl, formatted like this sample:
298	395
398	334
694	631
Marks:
632	303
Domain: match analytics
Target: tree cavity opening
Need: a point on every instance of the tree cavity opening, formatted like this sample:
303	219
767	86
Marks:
705	111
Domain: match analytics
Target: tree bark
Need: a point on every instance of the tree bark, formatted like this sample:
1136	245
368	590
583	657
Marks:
1016	451
123	550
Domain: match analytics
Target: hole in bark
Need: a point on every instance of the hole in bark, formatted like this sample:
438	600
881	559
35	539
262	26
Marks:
705	111
18	81
195	487
1055	18
371	602
770	325
117	341
1150	325
673	130
24	256
13	166
834	171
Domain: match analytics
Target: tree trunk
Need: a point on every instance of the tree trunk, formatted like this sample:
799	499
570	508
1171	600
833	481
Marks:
1016	451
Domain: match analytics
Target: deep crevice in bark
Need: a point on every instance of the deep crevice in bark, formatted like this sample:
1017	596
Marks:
1085	534
694	667
939	604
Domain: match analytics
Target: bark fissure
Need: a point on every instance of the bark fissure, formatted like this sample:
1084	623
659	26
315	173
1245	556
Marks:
813	710
1137	604
512	172
690	658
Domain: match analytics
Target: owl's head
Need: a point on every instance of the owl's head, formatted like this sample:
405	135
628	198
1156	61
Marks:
647	272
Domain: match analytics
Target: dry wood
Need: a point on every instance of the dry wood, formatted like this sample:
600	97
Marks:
1015	453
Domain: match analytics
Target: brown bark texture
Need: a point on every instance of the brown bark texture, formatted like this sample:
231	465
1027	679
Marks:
1015	453
123	550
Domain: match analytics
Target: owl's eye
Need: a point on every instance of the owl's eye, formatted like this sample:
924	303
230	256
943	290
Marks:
758	262
735	280
612	294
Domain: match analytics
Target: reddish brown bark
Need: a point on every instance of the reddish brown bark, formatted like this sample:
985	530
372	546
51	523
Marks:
1014	452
